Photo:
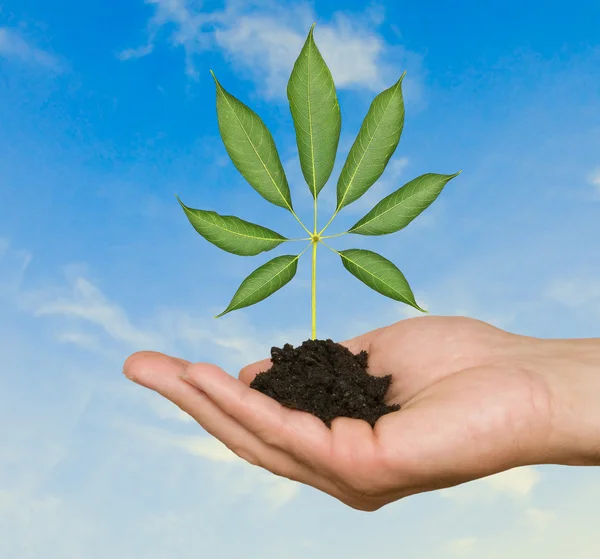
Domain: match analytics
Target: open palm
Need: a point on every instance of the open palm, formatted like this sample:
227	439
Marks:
471	405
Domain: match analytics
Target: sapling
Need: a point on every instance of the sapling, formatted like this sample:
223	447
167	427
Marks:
317	121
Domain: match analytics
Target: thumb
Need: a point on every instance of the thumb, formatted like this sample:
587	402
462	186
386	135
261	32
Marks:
248	373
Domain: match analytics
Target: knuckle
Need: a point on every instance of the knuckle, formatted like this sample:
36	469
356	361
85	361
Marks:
194	370
362	480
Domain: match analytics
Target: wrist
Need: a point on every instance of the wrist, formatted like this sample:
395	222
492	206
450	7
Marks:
571	369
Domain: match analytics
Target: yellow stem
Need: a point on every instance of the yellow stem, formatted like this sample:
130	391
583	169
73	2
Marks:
330	248
314	291
300	222
314	279
330	220
336	235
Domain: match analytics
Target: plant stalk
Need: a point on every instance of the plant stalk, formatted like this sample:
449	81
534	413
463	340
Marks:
314	279
330	220
314	290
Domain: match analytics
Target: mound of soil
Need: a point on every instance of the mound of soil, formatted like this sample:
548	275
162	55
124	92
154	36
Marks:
326	379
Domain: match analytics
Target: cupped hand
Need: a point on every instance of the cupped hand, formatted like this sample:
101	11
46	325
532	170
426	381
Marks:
473	402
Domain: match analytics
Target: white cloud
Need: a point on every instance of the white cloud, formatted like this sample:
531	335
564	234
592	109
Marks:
594	178
461	547
81	339
575	292
532	526
392	179
4	244
49	400
88	303
165	409
138	52
407	311
246	478
81	314
263	39
541	518
13	265
13	46
267	44
171	331
567	530
210	448
516	483
447	306
203	446
30	520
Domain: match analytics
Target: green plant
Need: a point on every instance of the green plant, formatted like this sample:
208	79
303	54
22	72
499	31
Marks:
317	122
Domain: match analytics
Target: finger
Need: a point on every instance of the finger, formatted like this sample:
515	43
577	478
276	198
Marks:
300	434
248	373
355	448
363	341
160	373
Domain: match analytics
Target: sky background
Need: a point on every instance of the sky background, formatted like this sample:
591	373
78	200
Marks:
107	110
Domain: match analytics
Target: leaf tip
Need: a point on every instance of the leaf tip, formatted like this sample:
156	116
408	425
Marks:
312	27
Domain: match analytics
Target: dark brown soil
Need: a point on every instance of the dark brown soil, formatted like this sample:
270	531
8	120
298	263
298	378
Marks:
326	379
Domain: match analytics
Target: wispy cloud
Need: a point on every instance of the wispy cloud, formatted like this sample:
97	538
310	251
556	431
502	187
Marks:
594	180
13	265
567	529
14	46
391	180
247	478
138	52
541	518
460	547
81	339
576	293
262	40
88	303
95	321
516	483
81	314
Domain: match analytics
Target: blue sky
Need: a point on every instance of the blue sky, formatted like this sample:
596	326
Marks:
107	109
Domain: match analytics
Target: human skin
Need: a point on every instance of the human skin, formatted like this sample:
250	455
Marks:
475	400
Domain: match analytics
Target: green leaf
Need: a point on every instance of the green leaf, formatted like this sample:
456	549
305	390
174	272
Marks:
379	274
231	233
251	148
375	143
264	281
398	209
316	114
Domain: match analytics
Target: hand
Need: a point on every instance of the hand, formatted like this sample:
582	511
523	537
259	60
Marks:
475	400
